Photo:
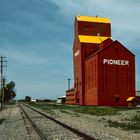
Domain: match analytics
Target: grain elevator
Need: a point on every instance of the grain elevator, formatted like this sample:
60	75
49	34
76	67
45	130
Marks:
104	69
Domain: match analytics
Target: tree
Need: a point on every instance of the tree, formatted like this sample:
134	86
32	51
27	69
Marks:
9	92
27	98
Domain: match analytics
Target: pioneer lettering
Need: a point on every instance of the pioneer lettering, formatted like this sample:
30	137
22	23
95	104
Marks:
115	62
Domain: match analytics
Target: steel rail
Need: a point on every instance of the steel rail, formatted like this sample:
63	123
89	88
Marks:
41	134
74	130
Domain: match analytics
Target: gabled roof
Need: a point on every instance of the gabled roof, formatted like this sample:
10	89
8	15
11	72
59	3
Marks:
106	43
93	19
61	97
124	47
91	39
130	98
100	50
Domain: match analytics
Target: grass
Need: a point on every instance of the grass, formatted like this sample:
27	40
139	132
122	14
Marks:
125	123
13	102
125	126
92	110
98	111
70	113
133	124
1	121
136	118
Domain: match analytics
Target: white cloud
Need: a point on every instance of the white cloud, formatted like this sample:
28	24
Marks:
124	15
24	57
38	40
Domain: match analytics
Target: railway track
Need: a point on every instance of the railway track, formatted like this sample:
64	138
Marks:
33	134
51	129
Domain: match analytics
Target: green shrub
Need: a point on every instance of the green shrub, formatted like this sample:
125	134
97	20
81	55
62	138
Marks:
98	111
125	126
1	121
136	118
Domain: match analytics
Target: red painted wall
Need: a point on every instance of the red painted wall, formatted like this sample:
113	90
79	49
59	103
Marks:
70	98
85	50
92	28
77	70
115	83
91	81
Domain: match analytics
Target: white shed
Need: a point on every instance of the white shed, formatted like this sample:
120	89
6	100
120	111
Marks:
61	99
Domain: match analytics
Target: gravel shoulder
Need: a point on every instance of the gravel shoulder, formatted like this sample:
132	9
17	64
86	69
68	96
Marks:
12	127
97	126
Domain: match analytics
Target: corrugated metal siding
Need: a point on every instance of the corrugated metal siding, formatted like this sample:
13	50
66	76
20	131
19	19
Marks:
116	80
70	97
91	82
92	29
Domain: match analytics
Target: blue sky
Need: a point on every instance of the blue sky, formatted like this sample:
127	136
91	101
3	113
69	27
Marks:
36	36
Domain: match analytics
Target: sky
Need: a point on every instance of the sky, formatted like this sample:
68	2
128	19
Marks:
36	36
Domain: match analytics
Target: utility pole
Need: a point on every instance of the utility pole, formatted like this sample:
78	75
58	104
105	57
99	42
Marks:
3	85
2	66
4	82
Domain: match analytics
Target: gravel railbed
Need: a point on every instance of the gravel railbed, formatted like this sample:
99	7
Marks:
97	126
12	128
33	135
52	130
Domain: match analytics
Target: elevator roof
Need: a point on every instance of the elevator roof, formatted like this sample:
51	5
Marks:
92	39
93	19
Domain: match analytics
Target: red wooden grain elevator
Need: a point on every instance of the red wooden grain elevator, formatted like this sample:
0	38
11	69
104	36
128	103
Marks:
104	70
